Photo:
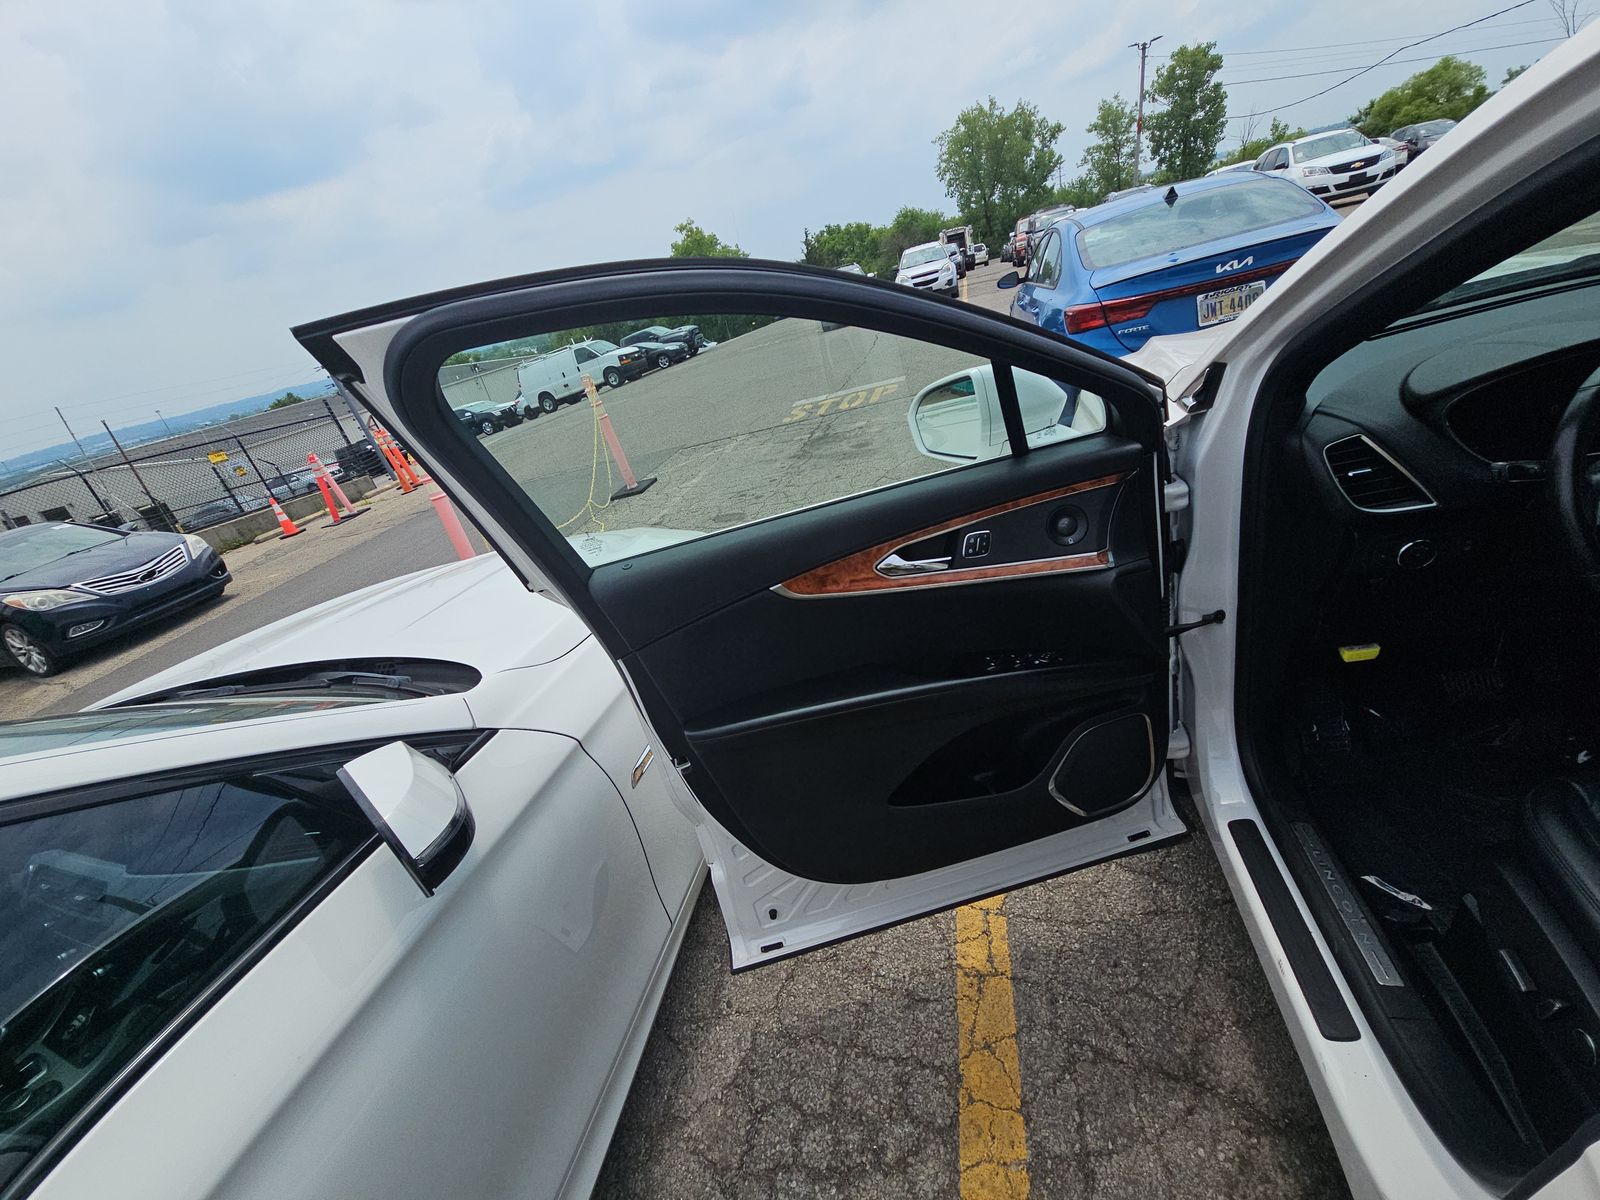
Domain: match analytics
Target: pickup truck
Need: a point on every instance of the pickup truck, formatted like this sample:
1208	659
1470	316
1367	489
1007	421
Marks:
556	378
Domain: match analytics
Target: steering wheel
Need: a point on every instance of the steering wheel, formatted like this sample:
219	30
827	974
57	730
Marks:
1575	474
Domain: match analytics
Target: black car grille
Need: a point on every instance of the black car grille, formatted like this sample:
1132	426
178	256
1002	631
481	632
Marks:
156	569
1356	164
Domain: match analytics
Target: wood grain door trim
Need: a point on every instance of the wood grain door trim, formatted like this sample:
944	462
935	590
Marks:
857	573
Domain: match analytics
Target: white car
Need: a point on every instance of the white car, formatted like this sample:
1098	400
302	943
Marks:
1247	165
1332	165
1328	593
1400	150
980	254
929	266
391	887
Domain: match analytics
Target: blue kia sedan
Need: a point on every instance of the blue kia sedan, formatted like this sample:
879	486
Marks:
1167	259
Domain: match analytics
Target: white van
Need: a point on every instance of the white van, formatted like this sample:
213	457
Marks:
556	378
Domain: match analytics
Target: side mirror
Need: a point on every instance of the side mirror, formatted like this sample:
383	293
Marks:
1009	280
416	806
1279	167
958	418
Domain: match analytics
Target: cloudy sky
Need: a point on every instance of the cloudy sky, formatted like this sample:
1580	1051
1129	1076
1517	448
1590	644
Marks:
182	181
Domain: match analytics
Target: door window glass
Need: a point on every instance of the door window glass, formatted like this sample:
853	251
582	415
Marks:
583	354
772	415
115	917
1050	261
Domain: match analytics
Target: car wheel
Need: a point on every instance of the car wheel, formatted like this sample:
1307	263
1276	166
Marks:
547	402
613	377
663	360
486	427
23	650
693	350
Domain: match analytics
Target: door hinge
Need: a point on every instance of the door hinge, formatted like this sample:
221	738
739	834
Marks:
1212	618
1174	495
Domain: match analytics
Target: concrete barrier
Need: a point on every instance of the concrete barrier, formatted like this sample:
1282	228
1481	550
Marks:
253	524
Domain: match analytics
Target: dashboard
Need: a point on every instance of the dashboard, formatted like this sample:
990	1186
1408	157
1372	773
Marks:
1453	412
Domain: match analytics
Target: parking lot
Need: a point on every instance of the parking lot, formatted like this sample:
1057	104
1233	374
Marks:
1145	1055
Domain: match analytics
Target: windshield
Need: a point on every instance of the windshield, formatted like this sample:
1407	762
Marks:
918	255
1433	128
43	734
1193	220
600	347
1330	143
23	550
1572	253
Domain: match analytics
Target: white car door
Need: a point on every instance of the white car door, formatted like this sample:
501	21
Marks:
888	683
1527	156
205	935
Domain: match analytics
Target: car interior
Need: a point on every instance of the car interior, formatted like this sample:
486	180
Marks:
1418	666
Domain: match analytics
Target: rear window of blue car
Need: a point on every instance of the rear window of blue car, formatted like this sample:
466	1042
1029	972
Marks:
1193	220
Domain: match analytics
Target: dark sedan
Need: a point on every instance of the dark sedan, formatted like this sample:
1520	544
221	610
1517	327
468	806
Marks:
1420	136
689	336
484	417
65	587
662	355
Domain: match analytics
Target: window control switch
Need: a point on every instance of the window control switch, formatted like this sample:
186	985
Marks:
975	544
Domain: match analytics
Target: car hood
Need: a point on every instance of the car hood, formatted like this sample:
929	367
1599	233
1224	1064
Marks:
927	268
1173	357
474	612
1343	156
124	555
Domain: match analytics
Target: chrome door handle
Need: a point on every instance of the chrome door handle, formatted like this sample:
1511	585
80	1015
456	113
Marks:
894	565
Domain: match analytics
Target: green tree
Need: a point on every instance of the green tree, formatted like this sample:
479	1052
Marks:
1512	74
1079	192
1187	128
835	245
997	165
1108	162
285	400
1451	88
694	242
1254	148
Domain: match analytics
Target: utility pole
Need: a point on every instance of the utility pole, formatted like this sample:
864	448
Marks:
1138	126
72	435
164	424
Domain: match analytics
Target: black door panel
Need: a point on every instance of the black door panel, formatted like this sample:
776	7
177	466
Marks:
648	597
844	721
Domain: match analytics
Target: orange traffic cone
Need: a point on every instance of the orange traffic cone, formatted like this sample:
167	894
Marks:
290	529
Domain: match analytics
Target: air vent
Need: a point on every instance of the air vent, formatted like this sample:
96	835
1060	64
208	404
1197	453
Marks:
1370	479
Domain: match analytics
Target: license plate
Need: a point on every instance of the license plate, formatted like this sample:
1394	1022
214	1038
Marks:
1216	307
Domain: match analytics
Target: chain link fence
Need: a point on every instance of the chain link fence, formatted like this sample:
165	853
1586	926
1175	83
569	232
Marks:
197	480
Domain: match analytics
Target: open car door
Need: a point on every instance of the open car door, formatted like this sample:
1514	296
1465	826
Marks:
885	573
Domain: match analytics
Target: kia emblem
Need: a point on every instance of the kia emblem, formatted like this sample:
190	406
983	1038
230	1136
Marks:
1236	264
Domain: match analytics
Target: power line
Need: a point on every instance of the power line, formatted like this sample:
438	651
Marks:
1236	64
1374	66
1395	63
1399	37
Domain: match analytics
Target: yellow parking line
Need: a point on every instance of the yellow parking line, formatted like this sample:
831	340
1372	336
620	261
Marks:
993	1135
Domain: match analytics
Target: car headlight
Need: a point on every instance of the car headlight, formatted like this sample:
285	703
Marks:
43	601
197	544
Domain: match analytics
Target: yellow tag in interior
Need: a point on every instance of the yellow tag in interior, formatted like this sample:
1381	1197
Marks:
1362	653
